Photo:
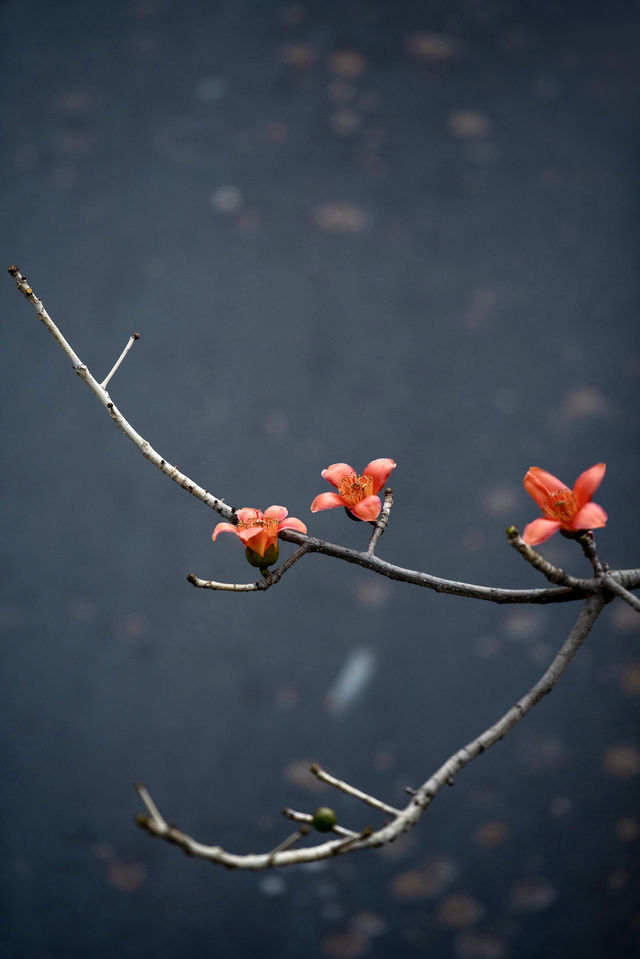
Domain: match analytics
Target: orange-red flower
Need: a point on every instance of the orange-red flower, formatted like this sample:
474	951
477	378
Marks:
259	531
563	508
356	492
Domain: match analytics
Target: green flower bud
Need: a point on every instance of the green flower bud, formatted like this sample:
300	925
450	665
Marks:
324	819
270	557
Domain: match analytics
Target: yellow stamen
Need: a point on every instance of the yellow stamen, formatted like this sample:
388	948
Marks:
353	488
561	505
268	523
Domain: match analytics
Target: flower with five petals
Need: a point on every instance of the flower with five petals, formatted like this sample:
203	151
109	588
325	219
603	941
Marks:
259	532
562	508
355	492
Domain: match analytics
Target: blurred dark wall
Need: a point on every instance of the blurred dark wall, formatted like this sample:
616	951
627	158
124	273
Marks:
344	231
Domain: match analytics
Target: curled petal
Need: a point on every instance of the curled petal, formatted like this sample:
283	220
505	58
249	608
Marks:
540	530
224	528
293	523
379	471
326	501
591	516
276	512
368	509
336	473
587	483
539	484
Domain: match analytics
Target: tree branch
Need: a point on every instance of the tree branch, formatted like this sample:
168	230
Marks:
572	588
421	798
100	392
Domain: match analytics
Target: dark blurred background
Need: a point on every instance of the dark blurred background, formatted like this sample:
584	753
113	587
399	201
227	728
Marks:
344	231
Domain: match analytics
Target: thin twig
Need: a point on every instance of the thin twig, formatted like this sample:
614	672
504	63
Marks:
269	579
381	522
621	592
326	777
143	445
290	840
553	573
132	339
307	819
152	809
588	543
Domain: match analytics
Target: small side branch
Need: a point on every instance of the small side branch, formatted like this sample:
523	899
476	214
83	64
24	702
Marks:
613	586
100	392
344	787
132	339
269	579
381	522
553	573
307	819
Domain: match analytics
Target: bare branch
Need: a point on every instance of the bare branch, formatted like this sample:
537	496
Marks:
579	588
100	392
492	594
132	340
421	798
553	573
290	841
269	579
326	777
588	543
227	587
381	522
621	592
307	818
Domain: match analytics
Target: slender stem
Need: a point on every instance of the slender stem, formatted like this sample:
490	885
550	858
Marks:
553	573
153	810
307	818
381	522
326	777
290	841
143	445
132	339
270	578
621	592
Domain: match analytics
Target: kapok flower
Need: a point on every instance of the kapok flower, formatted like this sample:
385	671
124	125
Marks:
355	492
259	531
570	510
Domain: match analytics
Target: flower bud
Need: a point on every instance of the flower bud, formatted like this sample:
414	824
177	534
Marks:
324	819
270	556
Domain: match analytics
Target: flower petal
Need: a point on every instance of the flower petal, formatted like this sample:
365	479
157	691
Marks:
336	473
591	516
368	509
379	471
326	501
538	484
276	512
540	530
293	523
256	539
224	528
248	515
588	482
